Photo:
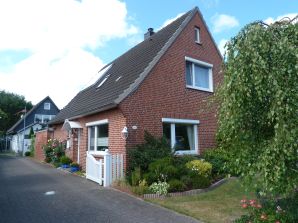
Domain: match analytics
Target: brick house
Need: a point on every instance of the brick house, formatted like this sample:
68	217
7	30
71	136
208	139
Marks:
160	85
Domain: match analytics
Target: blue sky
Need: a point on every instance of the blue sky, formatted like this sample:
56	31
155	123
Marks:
56	47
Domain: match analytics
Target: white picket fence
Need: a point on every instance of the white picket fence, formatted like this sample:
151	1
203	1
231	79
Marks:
105	171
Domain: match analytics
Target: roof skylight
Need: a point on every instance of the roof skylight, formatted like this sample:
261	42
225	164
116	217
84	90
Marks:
102	72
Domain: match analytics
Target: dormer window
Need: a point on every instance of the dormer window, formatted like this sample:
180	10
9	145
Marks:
197	35
47	106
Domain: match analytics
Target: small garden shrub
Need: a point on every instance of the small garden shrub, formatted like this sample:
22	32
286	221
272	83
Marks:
200	167
176	185
160	188
73	164
27	153
144	154
65	160
200	173
141	189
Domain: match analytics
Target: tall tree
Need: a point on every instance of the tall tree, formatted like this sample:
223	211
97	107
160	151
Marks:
10	106
258	117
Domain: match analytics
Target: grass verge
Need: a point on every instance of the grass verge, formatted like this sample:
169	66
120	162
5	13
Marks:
220	205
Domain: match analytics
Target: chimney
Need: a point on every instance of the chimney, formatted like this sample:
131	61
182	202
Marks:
149	33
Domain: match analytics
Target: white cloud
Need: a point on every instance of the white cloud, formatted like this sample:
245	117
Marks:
223	22
61	76
56	34
168	21
271	20
221	46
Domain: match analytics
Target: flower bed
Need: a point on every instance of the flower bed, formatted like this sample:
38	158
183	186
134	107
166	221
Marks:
189	192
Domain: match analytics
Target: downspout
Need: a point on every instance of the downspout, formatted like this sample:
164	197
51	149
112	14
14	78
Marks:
79	141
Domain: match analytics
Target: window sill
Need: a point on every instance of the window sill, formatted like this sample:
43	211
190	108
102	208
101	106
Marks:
200	89
186	152
99	153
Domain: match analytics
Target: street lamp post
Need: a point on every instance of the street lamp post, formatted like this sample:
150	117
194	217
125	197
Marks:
23	147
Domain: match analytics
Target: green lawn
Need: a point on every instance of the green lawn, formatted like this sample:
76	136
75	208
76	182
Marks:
219	205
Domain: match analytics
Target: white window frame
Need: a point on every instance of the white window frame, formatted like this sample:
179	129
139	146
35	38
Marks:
195	124
95	123
197	35
47	106
203	64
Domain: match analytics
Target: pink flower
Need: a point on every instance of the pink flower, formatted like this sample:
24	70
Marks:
259	206
243	201
277	221
251	202
244	205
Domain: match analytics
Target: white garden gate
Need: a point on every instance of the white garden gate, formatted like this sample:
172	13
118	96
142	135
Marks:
105	171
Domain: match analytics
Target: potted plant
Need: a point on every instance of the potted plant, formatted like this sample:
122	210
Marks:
65	161
74	167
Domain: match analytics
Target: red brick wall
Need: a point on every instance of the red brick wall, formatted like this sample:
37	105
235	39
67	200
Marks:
163	94
40	140
116	143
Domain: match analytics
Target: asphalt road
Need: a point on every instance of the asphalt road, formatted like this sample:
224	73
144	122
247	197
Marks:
24	182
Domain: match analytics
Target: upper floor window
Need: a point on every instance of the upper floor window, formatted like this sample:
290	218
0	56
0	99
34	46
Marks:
47	106
197	35
199	75
39	118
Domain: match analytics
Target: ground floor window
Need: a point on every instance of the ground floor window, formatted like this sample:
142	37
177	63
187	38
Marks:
182	135
98	136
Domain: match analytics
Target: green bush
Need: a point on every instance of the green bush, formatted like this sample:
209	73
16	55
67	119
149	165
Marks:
57	164
200	173
136	177
144	154
160	188
161	170
219	159
65	160
176	185
74	164
200	167
27	153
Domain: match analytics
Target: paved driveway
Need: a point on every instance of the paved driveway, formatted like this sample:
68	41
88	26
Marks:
23	184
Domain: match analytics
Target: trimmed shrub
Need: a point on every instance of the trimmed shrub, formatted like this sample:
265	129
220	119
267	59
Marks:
200	173
27	153
200	167
176	185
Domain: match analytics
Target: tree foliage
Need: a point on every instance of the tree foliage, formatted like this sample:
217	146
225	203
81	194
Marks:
258	116
10	105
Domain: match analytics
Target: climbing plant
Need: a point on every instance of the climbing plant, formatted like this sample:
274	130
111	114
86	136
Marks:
258	115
